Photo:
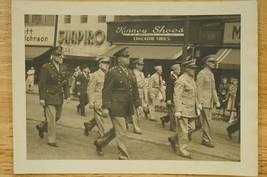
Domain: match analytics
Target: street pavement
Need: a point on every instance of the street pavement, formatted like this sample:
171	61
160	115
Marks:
148	146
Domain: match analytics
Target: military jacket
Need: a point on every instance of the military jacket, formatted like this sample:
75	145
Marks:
82	83
170	87
95	87
120	92
206	90
185	96
53	84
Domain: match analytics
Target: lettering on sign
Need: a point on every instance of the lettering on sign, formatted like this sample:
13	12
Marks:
86	37
157	31
232	33
36	36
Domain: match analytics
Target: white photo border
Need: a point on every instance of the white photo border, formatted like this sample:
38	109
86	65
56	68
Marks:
249	88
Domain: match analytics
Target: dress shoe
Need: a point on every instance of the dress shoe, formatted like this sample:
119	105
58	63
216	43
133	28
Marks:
162	122
173	130
86	131
173	144
40	131
229	134
208	144
98	149
185	154
53	144
140	133
154	120
84	115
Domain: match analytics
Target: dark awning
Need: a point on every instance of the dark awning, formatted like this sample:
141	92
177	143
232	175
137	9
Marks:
33	52
148	52
228	58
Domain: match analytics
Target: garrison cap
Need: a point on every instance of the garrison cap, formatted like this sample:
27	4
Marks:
103	60
139	61
190	63
124	52
175	66
158	68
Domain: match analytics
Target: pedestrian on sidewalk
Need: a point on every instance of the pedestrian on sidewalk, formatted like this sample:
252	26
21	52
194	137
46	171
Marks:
82	84
187	108
120	95
207	97
236	126
232	92
94	92
140	80
30	79
174	74
53	85
154	92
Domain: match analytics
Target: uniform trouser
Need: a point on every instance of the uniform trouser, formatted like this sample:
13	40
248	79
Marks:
52	114
185	125
119	131
83	102
205	118
171	117
97	120
151	106
136	121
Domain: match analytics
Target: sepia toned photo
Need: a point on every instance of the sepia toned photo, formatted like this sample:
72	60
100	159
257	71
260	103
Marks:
151	87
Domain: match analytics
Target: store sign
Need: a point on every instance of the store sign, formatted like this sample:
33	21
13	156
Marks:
82	37
167	32
211	33
39	35
232	33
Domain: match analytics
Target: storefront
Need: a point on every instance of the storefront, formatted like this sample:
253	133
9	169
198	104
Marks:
38	43
82	39
158	42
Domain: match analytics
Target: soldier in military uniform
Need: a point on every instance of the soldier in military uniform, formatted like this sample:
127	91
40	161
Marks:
186	108
140	80
120	95
94	91
53	86
82	83
154	91
207	97
176	69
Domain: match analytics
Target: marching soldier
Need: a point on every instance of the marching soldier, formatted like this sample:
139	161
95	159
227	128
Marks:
154	91
94	91
186	108
140	80
82	83
176	69
120	95
207	96
53	86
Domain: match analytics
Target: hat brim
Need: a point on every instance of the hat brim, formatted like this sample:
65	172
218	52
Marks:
191	66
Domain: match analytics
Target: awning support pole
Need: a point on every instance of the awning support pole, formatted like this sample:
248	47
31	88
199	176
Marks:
186	33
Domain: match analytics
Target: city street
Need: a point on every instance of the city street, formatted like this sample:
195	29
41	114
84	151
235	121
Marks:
73	144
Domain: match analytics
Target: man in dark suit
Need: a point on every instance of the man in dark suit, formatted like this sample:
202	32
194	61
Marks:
53	85
176	69
120	95
82	83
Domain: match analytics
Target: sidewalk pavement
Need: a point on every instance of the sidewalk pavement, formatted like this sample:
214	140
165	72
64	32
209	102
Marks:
152	132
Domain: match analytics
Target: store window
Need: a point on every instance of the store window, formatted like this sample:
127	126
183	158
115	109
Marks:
84	18
49	20
26	19
36	20
101	19
67	19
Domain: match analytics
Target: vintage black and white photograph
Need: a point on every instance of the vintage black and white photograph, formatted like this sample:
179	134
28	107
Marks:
136	87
